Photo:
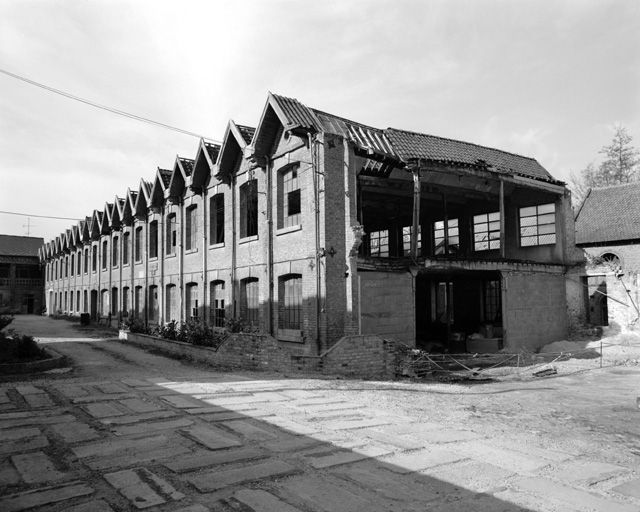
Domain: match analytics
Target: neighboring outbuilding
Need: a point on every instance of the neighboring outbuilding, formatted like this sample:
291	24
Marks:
608	229
312	227
21	279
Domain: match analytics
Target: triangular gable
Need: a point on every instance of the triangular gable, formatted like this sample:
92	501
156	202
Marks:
204	164
84	229
95	226
186	167
141	204
65	240
176	183
121	202
75	236
157	191
282	113
233	144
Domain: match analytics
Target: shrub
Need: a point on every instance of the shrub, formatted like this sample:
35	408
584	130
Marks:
239	325
169	331
5	320
27	348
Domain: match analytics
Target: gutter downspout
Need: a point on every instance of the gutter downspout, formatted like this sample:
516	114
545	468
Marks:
120	262
316	206
268	165
146	270
161	254
181	261
233	247
205	250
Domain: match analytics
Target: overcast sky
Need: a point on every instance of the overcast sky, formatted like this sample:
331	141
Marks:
543	79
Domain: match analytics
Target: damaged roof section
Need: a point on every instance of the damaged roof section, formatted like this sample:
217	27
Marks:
609	214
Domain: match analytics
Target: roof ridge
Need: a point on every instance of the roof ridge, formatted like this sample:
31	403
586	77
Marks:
463	142
315	110
617	185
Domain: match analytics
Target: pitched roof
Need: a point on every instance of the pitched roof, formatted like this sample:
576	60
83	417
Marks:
165	175
212	150
609	214
246	132
20	245
410	145
187	165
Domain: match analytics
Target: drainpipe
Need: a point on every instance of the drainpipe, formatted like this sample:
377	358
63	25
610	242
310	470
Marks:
161	254
205	249
316	206
110	263
233	247
146	269
180	203
503	235
120	298
268	169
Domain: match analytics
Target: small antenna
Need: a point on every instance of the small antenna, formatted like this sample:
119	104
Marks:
28	225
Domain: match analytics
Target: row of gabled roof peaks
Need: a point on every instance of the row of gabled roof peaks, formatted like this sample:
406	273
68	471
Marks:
390	145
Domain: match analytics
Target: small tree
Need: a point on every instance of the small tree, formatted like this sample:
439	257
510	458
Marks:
621	164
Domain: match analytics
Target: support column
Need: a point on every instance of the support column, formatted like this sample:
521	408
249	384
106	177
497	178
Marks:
415	225
503	238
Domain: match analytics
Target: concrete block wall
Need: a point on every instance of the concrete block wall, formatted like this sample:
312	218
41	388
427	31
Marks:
534	306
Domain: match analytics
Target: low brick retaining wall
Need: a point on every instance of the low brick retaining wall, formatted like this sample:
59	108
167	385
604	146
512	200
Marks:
364	356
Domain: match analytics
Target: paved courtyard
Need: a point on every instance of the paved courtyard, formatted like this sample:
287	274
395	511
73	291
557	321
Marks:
125	429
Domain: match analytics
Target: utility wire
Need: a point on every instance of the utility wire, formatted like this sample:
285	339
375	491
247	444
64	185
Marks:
104	107
39	216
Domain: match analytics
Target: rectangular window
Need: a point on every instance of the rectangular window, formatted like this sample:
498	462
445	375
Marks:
78	300
538	225
216	219
125	301
125	248
114	301
138	244
290	302
191	224
250	301
66	271
486	231
71	301
105	254
86	260
137	301
249	209
446	237
79	260
171	234
170	303
73	263
114	252
379	243
492	301
217	303
289	198
406	239
153	303
153	239
192	301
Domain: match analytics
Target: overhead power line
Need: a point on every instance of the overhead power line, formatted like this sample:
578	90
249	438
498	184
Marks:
104	107
39	216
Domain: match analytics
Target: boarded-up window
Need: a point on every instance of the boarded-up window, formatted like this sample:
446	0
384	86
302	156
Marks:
249	209
250	301
171	301
114	301
137	301
538	225
290	302
217	299
486	231
216	219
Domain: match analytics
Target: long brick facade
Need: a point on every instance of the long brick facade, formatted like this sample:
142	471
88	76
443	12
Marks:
302	229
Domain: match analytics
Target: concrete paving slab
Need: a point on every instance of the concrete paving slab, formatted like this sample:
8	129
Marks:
564	495
335	406
138	405
263	501
250	430
36	467
4	398
631	489
129	419
219	479
345	456
110	388
422	459
8	474
28	389
193	508
20	445
585	472
223	416
134	383
212	438
203	459
104	410
136	457
41	497
445	435
71	391
26	418
183	402
290	426
91	506
20	433
131	486
75	432
38	400
101	398
155	426
470	474
206	409
112	446
353	424
401	442
507	459
321	494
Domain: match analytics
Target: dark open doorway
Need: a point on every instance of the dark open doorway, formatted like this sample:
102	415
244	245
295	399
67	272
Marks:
597	308
455	310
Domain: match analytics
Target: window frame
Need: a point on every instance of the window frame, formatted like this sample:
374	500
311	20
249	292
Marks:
290	306
191	228
249	209
216	219
217	311
537	225
153	239
487	220
449	231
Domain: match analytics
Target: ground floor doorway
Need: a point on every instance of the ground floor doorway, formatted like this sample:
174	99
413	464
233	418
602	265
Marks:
597	308
454	309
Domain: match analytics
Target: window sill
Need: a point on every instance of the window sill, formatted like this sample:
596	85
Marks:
288	229
191	251
172	255
248	239
294	335
216	246
155	258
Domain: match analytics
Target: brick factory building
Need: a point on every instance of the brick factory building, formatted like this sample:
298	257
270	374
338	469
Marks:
21	280
311	227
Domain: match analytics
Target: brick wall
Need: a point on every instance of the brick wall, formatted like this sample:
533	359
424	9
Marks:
365	356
